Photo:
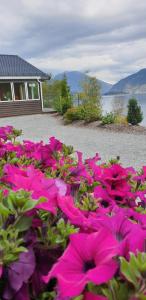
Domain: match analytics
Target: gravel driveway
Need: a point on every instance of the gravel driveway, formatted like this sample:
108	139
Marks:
131	148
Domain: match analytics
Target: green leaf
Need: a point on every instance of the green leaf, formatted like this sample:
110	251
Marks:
30	204
4	211
128	271
24	223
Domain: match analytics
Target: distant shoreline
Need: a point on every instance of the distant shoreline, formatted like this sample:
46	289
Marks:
124	94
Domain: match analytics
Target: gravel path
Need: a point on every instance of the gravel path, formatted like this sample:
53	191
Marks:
131	148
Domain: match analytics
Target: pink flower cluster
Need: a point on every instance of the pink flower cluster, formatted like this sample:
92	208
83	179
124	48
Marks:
84	216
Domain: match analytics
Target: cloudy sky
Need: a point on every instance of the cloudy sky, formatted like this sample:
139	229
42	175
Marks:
105	37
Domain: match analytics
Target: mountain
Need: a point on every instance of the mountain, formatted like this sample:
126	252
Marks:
74	79
133	84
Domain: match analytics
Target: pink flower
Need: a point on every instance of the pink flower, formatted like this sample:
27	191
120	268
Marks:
88	258
34	181
104	200
136	241
75	216
118	190
55	145
79	171
5	132
114	173
142	177
91	162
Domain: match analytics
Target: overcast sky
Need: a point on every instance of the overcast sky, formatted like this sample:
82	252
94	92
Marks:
105	37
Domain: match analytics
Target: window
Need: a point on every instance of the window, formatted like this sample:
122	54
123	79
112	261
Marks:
33	92
5	91
19	89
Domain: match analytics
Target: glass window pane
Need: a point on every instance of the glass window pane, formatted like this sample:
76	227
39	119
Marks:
19	89
5	91
33	90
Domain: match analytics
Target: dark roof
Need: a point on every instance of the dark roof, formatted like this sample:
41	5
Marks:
15	66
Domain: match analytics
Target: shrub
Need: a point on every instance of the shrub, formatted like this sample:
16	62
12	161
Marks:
63	101
73	114
66	103
61	104
88	113
135	115
91	113
109	118
120	119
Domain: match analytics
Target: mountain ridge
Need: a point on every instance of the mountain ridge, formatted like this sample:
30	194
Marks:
134	83
74	79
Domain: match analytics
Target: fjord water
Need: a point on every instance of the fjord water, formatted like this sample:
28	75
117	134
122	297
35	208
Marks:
110	103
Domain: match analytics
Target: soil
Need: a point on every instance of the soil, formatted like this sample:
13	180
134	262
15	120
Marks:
131	129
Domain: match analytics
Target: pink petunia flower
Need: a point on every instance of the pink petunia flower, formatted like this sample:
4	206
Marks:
115	173
104	200
88	258
74	214
34	181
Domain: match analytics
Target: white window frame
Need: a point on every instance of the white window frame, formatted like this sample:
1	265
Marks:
26	90
38	91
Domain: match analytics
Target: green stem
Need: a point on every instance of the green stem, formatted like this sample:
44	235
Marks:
113	294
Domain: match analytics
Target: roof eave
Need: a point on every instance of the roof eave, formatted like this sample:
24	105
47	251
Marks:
24	77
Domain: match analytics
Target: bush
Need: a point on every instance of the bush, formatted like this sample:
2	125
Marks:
109	118
135	115
66	103
73	114
91	113
63	100
121	120
61	104
88	113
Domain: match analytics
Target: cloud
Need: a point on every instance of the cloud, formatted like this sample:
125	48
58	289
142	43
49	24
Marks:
107	37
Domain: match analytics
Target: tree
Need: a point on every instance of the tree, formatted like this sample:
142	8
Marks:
66	98
56	93
51	92
135	115
91	91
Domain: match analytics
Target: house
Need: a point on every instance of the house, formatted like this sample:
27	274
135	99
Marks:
20	87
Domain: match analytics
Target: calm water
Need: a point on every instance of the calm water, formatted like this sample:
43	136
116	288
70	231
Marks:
114	102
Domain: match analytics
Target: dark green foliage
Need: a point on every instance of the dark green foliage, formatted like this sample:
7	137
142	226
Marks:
135	115
57	94
63	101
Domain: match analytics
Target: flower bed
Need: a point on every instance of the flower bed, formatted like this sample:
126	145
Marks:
69	229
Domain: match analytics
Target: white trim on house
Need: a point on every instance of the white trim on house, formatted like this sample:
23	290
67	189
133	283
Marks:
26	89
27	100
39	92
12	91
19	78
